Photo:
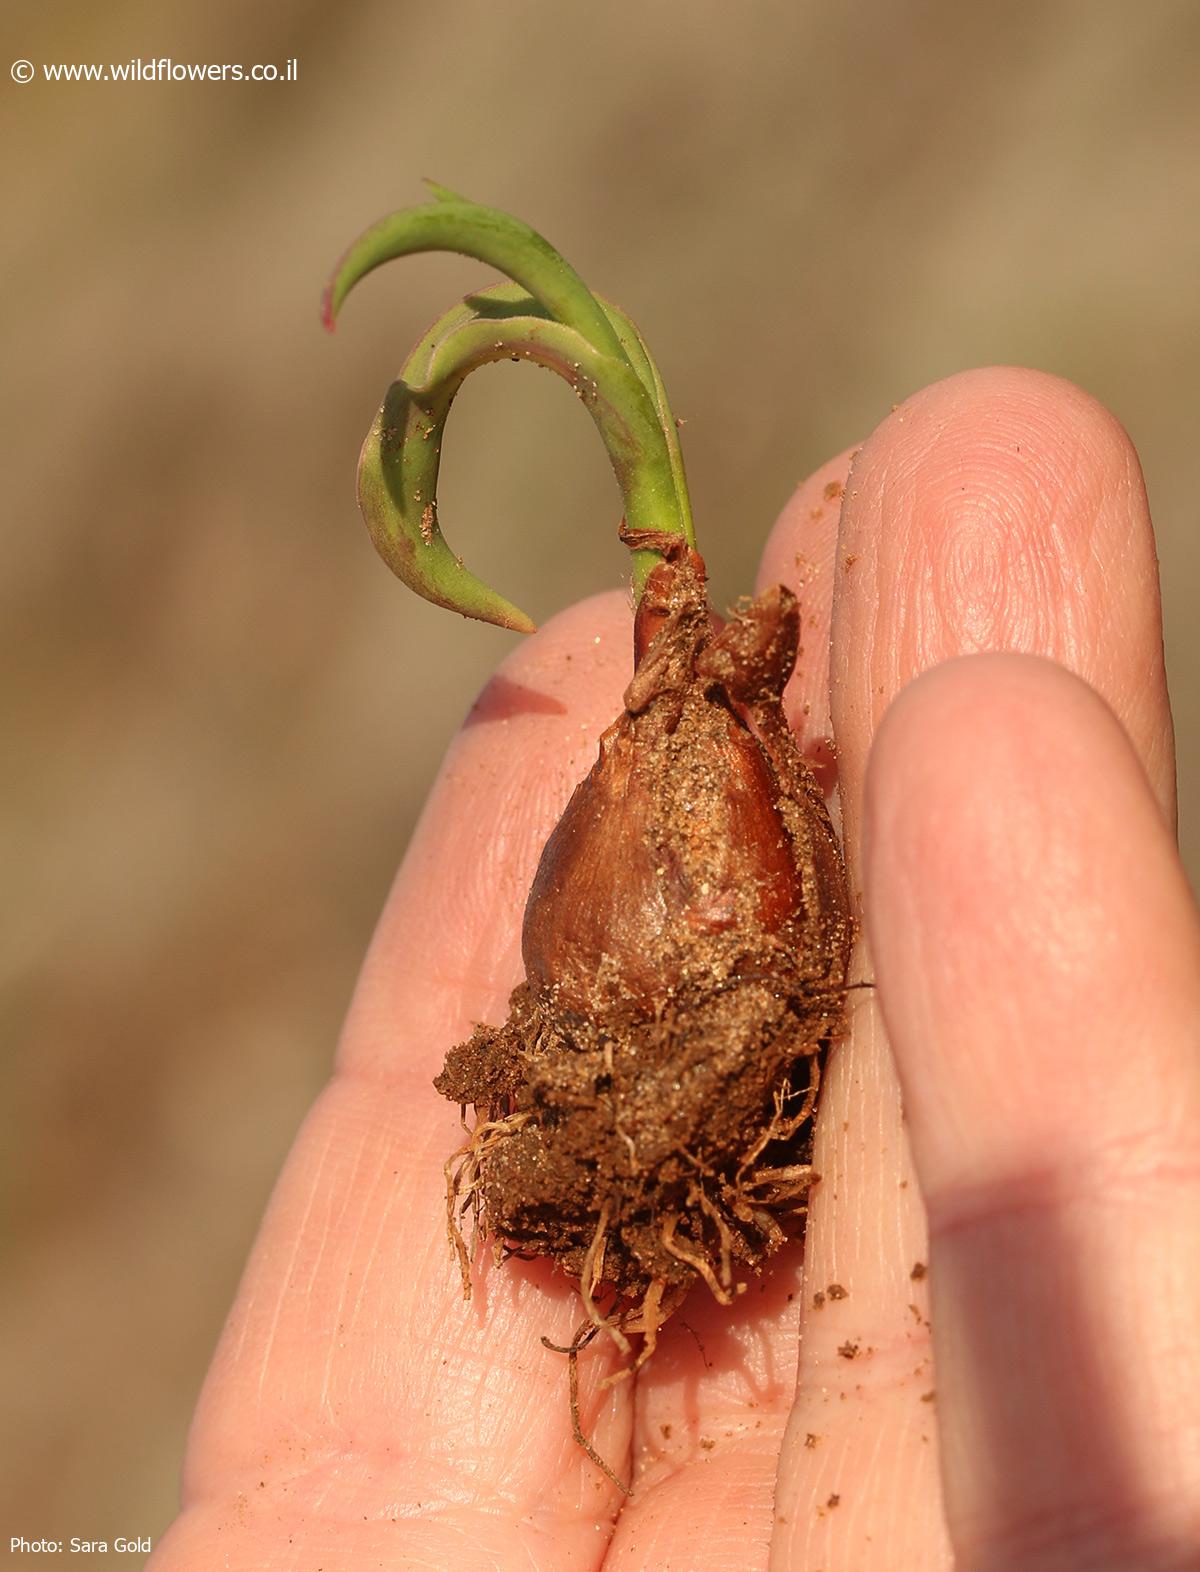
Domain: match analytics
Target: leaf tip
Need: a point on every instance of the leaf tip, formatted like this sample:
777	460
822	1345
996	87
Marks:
328	309
500	613
440	192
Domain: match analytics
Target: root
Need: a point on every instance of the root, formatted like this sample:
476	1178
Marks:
762	1222
723	1234
810	1095
581	1339
783	1126
453	1231
797	1176
652	1318
464	1170
646	1319
590	1277
697	1263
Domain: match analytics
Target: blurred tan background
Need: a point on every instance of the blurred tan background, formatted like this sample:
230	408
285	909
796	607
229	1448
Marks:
221	713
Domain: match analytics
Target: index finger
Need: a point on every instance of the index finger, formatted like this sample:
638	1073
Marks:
356	1407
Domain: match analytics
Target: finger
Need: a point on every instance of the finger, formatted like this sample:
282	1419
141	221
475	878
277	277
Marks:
858	1487
999	509
1038	959
357	1410
713	1401
802	552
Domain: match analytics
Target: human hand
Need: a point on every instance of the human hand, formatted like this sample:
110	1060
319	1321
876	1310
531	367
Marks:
1036	953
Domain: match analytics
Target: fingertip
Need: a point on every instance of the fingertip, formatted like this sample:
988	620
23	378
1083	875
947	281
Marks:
1024	903
999	509
802	544
966	721
800	552
1019	410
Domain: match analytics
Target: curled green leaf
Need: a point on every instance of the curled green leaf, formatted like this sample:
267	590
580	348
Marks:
546	315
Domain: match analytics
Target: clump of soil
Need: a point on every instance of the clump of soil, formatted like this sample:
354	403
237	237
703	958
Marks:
644	1115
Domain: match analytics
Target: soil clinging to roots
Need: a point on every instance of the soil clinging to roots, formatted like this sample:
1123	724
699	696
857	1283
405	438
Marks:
644	1115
